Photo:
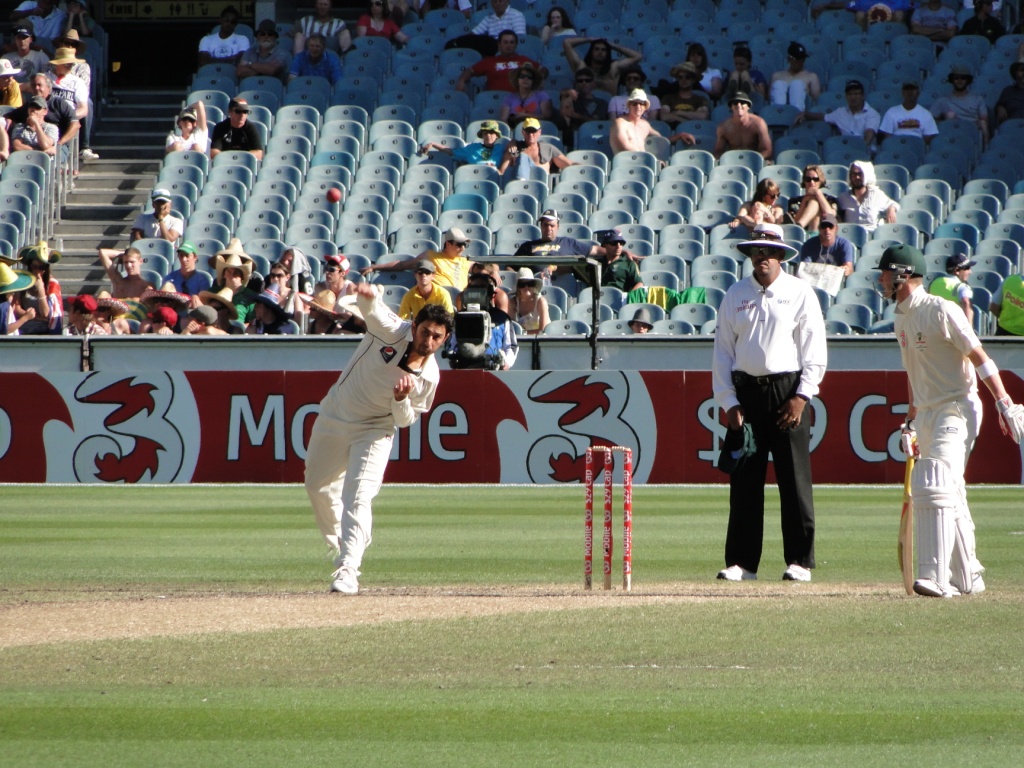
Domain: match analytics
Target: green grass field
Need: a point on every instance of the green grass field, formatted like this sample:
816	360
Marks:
473	643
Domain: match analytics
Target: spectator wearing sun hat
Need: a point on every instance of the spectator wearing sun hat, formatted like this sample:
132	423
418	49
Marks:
13	282
82	317
527	306
487	151
159	222
112	314
234	268
269	315
161	321
194	131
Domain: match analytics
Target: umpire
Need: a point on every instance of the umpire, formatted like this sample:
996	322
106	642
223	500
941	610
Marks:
769	360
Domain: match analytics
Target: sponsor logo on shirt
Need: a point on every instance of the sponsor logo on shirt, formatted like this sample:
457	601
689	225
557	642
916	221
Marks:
388	353
920	342
748	305
903	339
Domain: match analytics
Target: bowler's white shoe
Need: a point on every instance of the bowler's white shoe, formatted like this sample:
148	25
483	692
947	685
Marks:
736	573
930	588
346	581
796	573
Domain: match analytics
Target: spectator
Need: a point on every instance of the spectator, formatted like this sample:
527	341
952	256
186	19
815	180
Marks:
488	151
83	71
629	133
504	17
619	270
633	78
110	314
161	321
5	142
685	103
132	284
1010	105
300	274
187	279
335	279
865	203
225	46
195	134
269	317
58	113
264	58
336	36
236	132
532	157
983	22
961	104
908	118
71	88
558	24
526	99
743	77
502	347
807	209
526	306
82	317
763	209
424	292
13	284
168	296
78	19
202	321
794	84
501	297
34	132
160	223
710	80
234	268
43	296
579	105
954	286
10	91
641	322
744	130
47	20
24	60
452	267
332	315
934	20
316	61
222	302
607	71
827	247
497	69
553	244
377	22
1008	306
857	118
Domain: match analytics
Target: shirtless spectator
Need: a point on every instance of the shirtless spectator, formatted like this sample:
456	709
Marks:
160	223
934	20
264	58
322	21
685	103
629	133
132	284
225	46
633	78
744	130
794	84
498	68
532	157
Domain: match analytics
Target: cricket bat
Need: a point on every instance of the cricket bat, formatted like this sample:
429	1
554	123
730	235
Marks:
905	544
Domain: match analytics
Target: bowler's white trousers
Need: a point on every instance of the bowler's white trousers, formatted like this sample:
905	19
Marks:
345	465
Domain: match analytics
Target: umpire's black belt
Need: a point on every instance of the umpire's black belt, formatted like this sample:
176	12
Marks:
741	379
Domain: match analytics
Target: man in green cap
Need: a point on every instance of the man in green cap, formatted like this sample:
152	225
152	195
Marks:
944	361
487	151
187	279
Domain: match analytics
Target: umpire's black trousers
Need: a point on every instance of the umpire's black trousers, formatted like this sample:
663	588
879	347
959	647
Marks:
761	398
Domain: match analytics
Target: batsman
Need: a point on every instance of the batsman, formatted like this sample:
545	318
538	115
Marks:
944	360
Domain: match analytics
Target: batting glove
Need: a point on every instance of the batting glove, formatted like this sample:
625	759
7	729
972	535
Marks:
1011	418
908	440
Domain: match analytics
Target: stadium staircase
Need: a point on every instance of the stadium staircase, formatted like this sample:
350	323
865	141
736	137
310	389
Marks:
110	192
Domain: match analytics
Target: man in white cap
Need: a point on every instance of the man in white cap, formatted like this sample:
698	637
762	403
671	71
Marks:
10	91
769	360
629	133
159	223
450	265
944	361
389	384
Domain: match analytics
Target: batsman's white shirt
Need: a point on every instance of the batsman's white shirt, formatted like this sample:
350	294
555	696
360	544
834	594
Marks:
769	330
935	339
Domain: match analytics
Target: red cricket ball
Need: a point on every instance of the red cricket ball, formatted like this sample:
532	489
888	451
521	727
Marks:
334	195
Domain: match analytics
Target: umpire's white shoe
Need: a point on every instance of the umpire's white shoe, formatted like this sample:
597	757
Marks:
931	588
346	581
736	573
796	573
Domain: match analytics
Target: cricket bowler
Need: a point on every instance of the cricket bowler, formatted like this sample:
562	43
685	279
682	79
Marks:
389	382
944	360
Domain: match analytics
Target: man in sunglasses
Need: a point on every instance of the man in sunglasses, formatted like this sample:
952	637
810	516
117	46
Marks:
827	247
236	132
579	105
533	158
450	264
496	69
769	360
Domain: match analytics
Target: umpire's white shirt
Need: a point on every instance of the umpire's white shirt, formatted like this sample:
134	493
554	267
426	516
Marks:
935	339
364	393
769	330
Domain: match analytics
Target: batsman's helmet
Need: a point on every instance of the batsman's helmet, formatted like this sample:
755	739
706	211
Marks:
906	260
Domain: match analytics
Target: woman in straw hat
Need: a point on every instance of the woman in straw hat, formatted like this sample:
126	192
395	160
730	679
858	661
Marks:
330	315
13	284
234	268
526	306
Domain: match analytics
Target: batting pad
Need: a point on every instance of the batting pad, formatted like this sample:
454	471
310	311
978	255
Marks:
938	505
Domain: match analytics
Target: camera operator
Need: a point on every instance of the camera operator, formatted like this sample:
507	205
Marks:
483	335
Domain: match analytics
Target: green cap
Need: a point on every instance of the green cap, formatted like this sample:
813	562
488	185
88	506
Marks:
901	257
187	247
